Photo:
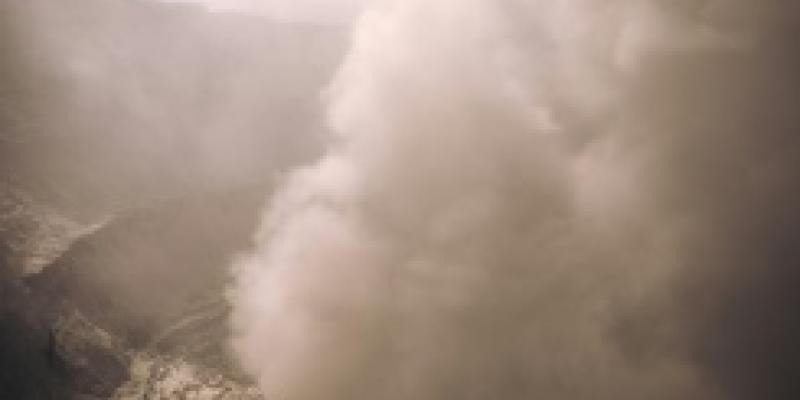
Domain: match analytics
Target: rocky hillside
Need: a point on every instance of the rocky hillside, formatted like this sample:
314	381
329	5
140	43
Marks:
32	234
133	310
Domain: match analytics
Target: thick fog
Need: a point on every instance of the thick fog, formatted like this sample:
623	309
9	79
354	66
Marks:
110	104
462	199
537	199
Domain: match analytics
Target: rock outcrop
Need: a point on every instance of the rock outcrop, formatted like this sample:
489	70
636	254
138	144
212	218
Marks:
132	310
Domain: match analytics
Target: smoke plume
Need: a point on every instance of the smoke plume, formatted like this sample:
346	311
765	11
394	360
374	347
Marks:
538	199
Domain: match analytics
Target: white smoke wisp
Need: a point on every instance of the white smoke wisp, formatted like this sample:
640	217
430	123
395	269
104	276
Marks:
479	226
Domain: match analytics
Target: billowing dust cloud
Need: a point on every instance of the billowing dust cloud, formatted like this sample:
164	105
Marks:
538	199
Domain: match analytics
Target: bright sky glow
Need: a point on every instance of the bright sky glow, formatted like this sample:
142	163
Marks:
322	11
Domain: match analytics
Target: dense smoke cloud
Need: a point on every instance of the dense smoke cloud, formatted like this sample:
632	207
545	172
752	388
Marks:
560	200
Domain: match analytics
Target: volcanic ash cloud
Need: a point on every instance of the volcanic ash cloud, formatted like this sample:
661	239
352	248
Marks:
501	212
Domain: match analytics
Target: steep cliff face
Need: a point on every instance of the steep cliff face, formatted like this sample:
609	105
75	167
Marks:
91	360
32	234
41	349
146	267
133	310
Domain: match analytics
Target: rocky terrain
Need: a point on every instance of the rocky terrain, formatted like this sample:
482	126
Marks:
135	309
33	234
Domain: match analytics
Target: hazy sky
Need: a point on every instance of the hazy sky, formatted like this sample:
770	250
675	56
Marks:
327	11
